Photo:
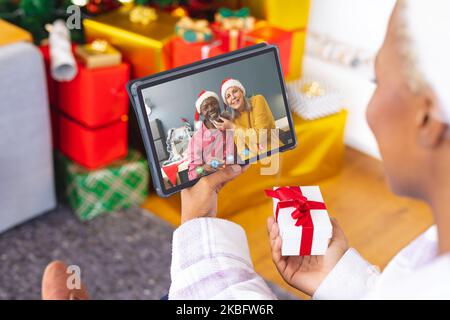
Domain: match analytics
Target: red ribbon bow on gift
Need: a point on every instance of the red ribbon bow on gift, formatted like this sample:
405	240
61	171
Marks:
293	197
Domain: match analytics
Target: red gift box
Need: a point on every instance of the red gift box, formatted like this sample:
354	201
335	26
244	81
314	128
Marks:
187	52
93	147
275	36
51	84
231	39
55	128
97	96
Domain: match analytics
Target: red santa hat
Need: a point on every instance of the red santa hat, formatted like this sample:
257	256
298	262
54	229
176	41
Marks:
202	96
229	83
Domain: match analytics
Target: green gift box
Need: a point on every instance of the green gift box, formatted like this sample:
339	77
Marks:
90	193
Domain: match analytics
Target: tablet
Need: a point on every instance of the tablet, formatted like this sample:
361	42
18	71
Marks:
199	118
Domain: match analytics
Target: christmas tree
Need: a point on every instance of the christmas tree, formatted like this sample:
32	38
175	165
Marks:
33	15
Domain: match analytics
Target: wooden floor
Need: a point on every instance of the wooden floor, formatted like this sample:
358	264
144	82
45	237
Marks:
377	223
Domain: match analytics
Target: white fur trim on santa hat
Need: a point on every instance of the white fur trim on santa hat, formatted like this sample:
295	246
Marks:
227	84
205	95
428	24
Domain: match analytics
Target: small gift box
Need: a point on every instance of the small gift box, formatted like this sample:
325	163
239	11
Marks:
95	97
97	54
305	227
193	42
186	52
193	30
232	26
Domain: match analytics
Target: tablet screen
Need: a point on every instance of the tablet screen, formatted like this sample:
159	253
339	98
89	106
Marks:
232	112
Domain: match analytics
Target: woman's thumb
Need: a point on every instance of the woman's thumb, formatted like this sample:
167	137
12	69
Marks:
217	179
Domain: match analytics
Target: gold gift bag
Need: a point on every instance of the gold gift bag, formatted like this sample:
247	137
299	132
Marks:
143	41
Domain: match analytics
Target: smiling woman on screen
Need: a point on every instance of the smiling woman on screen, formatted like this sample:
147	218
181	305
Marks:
249	116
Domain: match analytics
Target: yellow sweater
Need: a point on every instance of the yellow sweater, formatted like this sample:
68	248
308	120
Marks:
259	117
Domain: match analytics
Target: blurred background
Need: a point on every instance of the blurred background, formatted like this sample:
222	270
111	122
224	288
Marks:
74	181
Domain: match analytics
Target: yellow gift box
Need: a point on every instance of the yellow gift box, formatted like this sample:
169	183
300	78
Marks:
318	155
291	15
286	14
142	38
297	52
10	33
98	54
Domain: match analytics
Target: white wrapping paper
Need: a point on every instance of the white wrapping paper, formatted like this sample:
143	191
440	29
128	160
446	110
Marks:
291	235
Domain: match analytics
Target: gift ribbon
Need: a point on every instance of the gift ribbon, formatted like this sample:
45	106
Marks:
240	19
206	49
293	197
312	89
233	40
100	46
143	15
193	31
228	13
233	24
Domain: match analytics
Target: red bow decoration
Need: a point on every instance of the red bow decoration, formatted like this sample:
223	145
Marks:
293	197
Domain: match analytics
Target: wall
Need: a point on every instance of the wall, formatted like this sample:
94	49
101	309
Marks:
362	24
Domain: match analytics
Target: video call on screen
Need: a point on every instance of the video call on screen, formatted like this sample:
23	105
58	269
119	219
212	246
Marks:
226	115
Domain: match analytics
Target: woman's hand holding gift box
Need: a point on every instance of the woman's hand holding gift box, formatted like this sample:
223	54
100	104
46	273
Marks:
296	210
306	273
303	218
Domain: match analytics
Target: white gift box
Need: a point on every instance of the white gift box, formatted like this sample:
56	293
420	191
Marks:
292	235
